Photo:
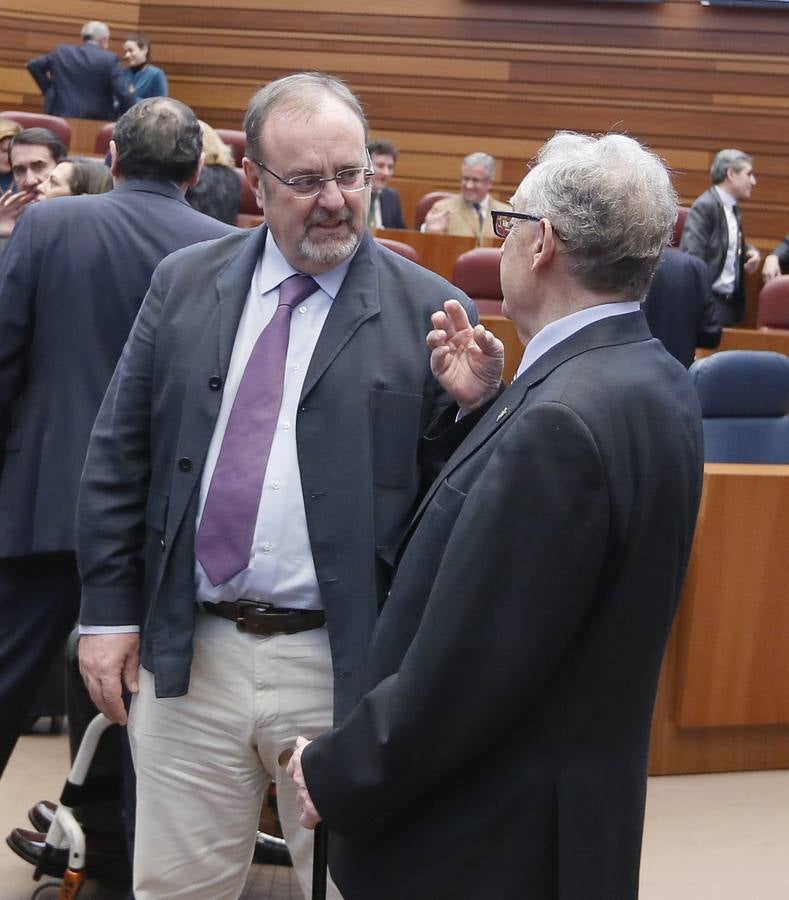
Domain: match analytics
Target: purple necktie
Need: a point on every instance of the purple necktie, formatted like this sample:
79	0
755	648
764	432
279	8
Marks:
224	539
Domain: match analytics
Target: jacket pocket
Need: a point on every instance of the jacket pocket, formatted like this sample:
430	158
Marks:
396	421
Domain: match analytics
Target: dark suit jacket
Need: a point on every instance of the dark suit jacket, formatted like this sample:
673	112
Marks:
502	748
679	307
391	213
368	397
706	235
80	81
72	278
782	252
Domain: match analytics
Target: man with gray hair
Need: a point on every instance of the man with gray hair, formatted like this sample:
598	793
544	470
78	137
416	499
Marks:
258	454
713	232
84	82
513	670
468	213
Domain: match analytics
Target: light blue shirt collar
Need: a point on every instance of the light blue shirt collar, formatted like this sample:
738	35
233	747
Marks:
561	329
274	269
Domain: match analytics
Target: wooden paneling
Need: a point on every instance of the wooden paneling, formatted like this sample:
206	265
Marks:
723	701
446	77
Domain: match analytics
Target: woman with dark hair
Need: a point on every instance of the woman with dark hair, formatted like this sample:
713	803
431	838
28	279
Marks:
76	175
141	79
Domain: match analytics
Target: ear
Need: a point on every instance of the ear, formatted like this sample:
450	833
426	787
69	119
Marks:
191	182
544	248
114	161
254	178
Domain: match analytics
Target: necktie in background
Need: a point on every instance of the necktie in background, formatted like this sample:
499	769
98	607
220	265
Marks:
374	201
478	211
224	538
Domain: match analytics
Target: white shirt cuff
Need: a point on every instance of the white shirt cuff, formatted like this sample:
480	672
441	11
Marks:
109	629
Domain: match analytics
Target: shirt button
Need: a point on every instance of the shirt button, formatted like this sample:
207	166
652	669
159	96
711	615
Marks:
215	382
267	547
275	485
286	425
302	310
296	367
185	464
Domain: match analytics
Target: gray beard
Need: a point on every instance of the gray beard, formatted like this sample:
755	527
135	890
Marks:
328	251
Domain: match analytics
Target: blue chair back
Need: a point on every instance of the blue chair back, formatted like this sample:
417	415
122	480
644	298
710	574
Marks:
744	396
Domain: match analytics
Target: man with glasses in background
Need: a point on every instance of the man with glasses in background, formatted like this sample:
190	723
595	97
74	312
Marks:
468	213
256	459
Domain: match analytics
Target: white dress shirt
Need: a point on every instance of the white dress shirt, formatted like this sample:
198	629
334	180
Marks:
724	283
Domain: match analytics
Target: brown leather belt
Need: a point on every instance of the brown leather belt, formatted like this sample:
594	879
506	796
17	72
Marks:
260	617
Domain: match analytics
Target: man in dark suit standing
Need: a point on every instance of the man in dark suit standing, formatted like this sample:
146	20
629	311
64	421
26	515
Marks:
72	278
713	232
679	307
255	460
501	747
84	81
385	211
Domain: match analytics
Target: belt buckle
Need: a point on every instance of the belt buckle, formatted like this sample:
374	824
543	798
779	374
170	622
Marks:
243	607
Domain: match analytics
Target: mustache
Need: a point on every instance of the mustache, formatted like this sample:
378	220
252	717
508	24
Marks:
320	216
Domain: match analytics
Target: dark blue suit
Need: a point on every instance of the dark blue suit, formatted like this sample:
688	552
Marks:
82	82
72	278
679	306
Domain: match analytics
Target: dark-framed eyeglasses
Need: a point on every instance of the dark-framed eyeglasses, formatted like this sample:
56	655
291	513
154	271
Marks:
305	187
504	219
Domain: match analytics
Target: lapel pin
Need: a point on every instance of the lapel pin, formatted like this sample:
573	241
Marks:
501	415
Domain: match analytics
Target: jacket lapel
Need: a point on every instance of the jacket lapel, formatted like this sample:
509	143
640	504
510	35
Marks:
357	301
621	329
211	358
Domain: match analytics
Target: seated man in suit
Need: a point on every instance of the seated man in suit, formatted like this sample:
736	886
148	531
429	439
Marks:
777	262
512	673
33	154
713	232
679	307
468	213
385	211
84	81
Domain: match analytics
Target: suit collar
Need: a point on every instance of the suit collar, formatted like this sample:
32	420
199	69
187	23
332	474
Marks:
356	301
151	186
608	332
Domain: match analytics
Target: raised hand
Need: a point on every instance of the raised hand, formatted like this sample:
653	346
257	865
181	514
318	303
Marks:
467	361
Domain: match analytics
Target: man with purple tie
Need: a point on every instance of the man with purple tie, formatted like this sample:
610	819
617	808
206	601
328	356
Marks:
256	459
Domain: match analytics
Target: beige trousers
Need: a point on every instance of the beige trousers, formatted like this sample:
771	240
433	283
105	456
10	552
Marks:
204	761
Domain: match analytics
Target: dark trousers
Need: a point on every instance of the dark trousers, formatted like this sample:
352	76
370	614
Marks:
730	311
39	604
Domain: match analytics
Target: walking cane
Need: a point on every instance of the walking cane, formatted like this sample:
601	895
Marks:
320	861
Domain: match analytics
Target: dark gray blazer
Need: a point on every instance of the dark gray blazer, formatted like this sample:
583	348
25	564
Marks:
83	81
502	748
391	213
72	278
368	397
679	307
706	235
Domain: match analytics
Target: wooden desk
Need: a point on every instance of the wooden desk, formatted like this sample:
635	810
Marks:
437	252
723	701
776	339
513	348
83	136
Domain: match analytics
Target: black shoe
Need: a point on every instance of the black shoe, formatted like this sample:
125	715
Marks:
103	863
271	851
42	814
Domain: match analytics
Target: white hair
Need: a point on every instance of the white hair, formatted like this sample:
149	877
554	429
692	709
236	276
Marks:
612	204
95	31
